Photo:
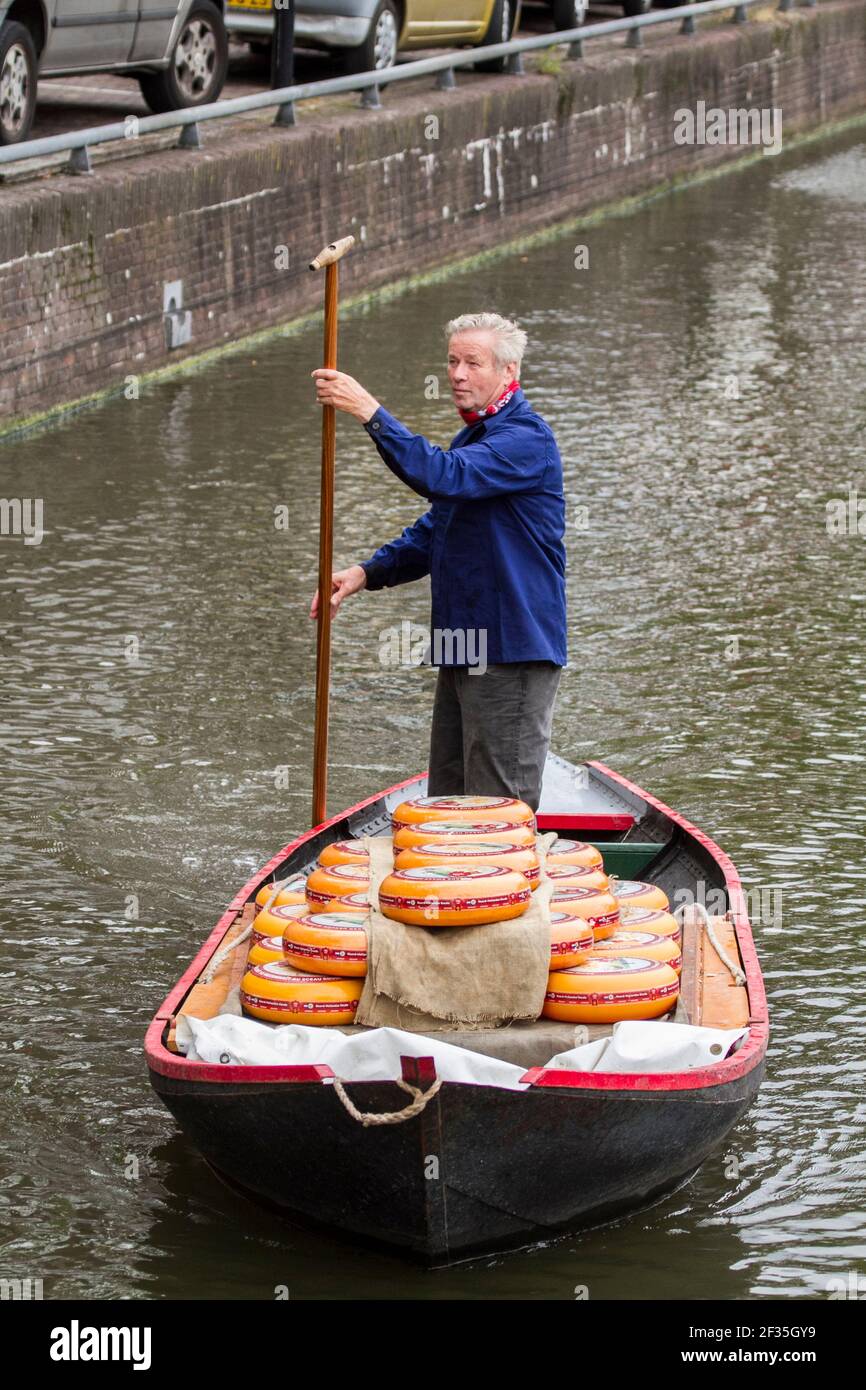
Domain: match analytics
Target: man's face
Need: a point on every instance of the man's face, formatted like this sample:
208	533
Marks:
475	376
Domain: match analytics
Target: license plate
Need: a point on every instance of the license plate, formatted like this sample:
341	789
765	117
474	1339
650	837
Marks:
249	4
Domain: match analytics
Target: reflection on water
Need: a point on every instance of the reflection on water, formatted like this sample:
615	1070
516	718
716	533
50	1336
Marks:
704	378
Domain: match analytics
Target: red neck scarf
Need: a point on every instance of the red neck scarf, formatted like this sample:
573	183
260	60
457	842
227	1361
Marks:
471	416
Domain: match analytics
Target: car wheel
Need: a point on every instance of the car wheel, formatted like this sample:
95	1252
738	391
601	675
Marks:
499	30
569	14
198	66
635	7
18	71
379	49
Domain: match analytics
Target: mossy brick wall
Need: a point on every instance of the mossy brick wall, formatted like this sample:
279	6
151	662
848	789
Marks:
83	260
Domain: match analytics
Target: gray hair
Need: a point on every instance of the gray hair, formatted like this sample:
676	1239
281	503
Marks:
509	341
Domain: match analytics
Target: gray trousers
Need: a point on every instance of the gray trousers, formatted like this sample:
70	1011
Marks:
491	731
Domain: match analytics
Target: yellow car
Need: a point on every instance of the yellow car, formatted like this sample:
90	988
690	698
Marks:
368	34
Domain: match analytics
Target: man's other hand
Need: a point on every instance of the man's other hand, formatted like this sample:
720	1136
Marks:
344	583
344	393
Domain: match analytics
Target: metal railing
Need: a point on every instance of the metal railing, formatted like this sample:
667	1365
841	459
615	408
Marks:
78	143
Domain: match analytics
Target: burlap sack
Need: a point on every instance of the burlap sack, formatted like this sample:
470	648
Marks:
427	979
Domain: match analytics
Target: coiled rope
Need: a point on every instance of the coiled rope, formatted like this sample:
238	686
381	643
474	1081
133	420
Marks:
738	974
420	1099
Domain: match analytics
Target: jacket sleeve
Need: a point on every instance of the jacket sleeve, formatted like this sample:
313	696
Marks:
406	558
514	460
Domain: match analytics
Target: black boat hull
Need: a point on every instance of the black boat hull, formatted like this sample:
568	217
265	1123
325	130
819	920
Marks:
481	1170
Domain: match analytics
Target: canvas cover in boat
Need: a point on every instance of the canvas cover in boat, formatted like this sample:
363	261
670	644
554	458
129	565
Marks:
375	1055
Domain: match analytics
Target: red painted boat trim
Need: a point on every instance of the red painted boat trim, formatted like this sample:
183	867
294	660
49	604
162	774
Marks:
748	1056
615	821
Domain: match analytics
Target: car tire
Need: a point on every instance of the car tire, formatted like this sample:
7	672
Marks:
19	68
569	14
379	49
499	30
199	62
631	8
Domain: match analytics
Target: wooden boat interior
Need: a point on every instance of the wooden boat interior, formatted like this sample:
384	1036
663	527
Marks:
637	840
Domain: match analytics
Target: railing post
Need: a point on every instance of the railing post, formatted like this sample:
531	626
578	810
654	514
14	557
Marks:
635	38
786	5
285	114
575	49
515	65
740	15
190	137
688	25
445	80
370	98
79	161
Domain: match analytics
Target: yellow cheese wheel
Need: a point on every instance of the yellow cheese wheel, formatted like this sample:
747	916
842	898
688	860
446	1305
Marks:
337	881
343	852
430	832
277	993
574	852
640	943
463	897
652	919
571	940
630	893
597	908
353	902
328	943
576	876
462	808
271	920
458	852
264	949
606	991
293	890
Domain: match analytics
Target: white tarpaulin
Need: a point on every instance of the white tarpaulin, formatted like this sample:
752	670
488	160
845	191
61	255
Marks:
375	1056
644	1047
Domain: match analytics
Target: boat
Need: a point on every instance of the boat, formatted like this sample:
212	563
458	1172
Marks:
515	1167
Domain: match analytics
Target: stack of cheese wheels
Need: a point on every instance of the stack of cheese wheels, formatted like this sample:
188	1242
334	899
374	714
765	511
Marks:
455	853
329	943
631	893
332	885
598	908
639	943
292	891
606	991
571	940
433	832
466	896
468	809
574	852
577	876
278	993
651	919
271	921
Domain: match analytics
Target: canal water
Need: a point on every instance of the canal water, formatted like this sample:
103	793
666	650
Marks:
704	377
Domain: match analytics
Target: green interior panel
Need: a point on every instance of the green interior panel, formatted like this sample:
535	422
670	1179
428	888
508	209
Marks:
627	858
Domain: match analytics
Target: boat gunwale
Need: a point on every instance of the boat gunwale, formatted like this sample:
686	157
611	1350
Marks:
747	1057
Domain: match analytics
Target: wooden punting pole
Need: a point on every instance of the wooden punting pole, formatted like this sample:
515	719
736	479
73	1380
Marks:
328	259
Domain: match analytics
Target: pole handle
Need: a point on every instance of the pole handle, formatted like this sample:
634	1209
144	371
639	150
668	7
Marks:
333	252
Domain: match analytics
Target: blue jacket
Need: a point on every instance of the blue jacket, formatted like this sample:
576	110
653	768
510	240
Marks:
492	541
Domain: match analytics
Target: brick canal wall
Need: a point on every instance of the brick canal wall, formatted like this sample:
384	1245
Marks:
84	260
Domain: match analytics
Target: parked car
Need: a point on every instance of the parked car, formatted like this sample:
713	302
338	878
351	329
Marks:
366	35
177	49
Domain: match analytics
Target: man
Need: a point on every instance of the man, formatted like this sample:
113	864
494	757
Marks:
492	543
